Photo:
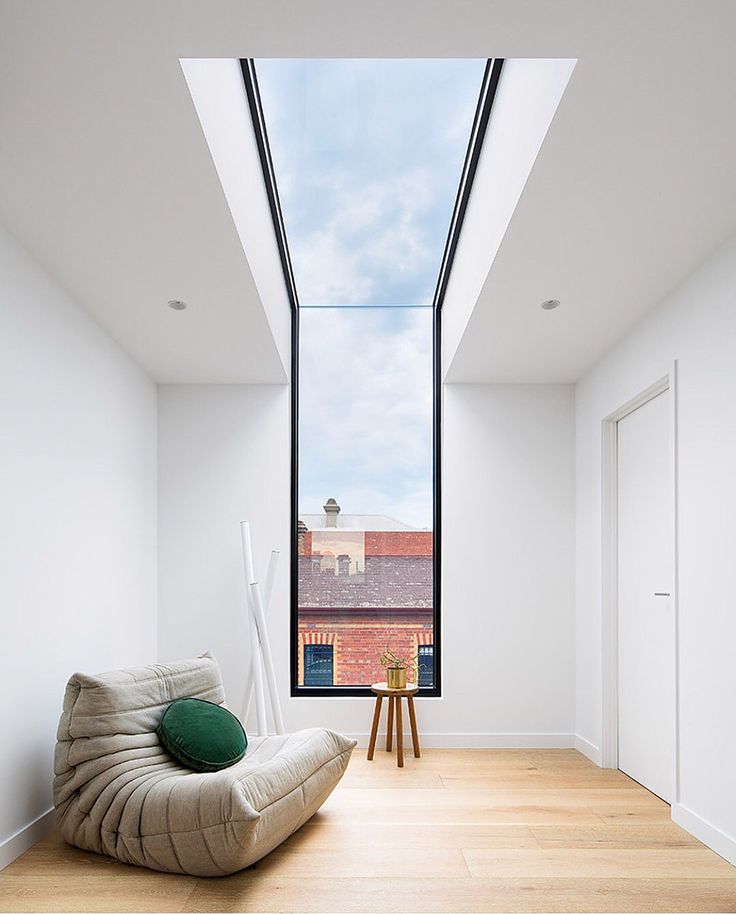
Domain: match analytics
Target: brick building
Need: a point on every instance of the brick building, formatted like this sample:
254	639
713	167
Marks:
364	584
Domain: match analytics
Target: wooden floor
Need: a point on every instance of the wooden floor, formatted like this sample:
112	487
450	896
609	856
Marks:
457	830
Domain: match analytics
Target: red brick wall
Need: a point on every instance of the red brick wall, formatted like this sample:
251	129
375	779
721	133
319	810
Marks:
304	543
359	640
398	542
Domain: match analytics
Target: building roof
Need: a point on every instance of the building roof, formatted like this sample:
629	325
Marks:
379	522
387	582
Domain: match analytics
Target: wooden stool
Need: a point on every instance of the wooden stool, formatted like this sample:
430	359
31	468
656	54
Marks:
394	696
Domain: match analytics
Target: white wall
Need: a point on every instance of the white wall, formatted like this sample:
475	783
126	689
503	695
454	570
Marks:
78	509
223	457
508	546
696	326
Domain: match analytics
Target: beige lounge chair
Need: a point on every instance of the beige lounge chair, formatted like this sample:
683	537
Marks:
118	792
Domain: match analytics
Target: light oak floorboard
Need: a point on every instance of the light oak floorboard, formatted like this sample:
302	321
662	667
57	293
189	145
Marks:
540	779
383	810
419	799
377	779
427	895
643	815
599	863
103	894
383	861
665	834
337	832
456	830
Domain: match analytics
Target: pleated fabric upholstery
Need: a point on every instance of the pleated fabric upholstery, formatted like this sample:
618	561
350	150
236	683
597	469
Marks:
118	792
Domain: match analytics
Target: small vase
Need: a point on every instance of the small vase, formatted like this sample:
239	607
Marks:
396	677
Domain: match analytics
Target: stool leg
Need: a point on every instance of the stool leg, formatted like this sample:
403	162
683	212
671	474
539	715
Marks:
399	734
374	728
390	727
413	722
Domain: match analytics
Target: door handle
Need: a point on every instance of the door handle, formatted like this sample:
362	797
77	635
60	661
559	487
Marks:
661	594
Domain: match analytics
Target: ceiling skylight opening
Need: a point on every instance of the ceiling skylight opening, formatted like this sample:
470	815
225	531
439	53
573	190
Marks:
367	156
368	166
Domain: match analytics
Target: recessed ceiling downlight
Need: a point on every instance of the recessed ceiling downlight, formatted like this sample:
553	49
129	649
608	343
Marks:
177	305
550	304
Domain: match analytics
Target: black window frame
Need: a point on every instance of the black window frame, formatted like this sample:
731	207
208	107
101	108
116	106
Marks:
489	85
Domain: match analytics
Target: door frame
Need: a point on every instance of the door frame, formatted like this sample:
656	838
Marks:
609	506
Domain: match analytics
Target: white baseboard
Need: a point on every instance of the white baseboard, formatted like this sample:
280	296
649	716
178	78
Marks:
713	837
480	740
588	749
25	838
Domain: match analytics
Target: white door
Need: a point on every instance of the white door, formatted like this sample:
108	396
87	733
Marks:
646	625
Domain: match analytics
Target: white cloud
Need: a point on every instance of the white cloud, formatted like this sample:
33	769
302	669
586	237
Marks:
366	411
373	247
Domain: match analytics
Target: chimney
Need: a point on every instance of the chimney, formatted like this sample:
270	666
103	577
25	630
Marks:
332	509
343	564
301	534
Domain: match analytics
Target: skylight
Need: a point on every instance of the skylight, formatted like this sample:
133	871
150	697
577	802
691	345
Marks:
370	165
367	157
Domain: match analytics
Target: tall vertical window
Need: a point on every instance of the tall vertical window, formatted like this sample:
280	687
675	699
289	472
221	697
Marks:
365	160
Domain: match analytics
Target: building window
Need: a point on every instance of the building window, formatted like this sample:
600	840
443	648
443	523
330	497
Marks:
318	664
368	165
426	665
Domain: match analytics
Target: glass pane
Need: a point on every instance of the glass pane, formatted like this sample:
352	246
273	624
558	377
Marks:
368	156
318	667
365	580
426	664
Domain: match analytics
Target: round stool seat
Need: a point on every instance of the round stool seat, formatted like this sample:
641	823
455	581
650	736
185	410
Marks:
381	688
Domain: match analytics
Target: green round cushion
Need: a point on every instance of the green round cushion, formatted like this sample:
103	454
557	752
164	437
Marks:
202	735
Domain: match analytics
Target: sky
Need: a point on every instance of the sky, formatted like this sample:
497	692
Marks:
368	156
365	411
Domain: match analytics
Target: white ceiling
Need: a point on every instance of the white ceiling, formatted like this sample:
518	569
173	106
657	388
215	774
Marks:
633	187
105	175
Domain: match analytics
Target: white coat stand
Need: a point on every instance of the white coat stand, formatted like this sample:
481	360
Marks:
261	657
